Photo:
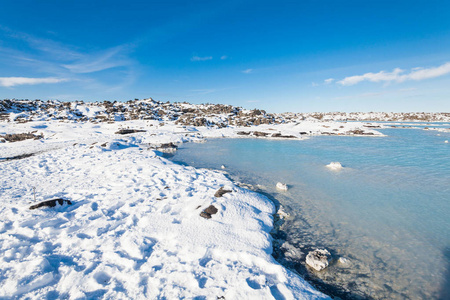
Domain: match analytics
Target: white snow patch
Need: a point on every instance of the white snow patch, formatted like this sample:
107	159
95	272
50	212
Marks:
134	229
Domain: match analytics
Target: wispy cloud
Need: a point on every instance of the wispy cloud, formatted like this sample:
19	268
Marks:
398	75
223	57
13	81
107	59
328	81
198	58
64	62
248	71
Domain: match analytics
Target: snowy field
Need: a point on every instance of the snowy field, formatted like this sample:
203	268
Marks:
134	229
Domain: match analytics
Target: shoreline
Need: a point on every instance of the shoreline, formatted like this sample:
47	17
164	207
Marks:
296	266
75	163
101	138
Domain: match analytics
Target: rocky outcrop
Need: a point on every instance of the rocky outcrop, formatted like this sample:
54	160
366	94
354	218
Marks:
17	137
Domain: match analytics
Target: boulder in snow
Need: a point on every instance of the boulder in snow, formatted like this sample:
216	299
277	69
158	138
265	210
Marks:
208	212
51	203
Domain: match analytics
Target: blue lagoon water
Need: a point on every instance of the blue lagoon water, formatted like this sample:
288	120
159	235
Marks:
387	211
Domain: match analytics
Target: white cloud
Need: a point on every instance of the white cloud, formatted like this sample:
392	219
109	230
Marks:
198	58
398	75
223	57
248	71
328	81
13	81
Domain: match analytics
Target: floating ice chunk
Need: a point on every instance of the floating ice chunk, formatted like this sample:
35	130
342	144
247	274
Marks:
223	167
344	261
282	186
335	166
318	259
446	141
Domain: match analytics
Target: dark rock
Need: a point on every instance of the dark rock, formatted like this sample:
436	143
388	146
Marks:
17	137
211	210
208	212
279	135
220	192
51	203
205	215
167	145
259	133
242	133
128	131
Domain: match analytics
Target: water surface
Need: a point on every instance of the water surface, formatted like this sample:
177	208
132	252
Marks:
387	211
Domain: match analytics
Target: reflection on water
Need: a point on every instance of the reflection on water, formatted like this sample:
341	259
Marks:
386	211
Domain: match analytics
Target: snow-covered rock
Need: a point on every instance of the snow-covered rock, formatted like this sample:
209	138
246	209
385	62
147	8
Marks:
318	259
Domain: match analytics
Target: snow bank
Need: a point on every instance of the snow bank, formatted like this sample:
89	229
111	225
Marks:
134	229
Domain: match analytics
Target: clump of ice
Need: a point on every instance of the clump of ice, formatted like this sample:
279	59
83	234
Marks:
282	186
344	261
335	166
318	259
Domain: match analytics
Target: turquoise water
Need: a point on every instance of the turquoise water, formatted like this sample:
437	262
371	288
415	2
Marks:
387	211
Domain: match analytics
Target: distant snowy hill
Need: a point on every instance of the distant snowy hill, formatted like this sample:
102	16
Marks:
182	113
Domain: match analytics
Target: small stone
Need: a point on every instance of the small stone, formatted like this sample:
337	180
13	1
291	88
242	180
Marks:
318	259
220	192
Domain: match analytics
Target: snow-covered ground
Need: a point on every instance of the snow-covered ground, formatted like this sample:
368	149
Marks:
134	229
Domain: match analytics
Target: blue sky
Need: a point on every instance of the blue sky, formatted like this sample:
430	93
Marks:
298	56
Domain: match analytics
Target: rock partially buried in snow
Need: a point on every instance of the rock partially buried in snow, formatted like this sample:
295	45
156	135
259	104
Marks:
282	186
318	259
335	166
208	212
220	192
51	203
